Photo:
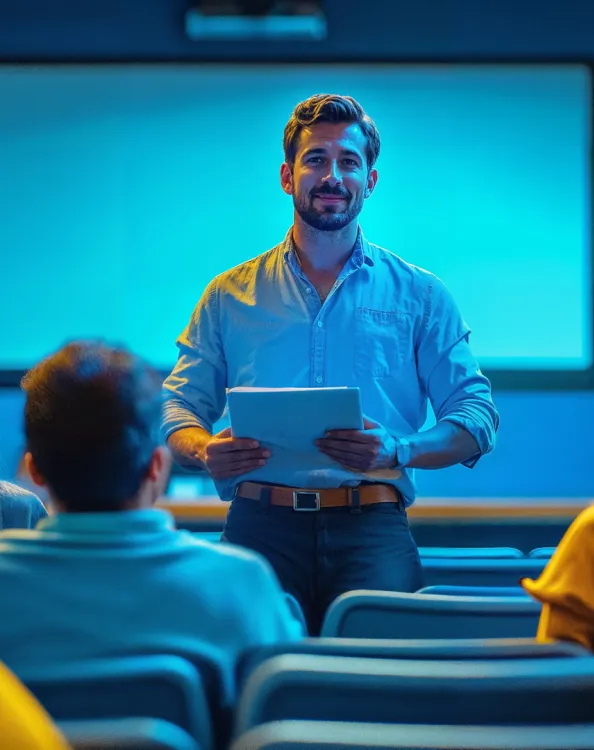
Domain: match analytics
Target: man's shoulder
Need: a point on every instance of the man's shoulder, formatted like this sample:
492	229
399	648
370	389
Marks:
221	554
10	492
385	258
19	507
248	269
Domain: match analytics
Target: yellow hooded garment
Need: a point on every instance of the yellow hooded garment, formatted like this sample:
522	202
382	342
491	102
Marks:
24	724
566	586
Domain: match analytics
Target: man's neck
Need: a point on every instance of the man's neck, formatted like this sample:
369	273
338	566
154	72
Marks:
323	251
142	501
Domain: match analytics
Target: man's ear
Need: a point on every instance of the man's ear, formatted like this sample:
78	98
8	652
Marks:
286	178
159	471
160	465
371	182
156	465
33	471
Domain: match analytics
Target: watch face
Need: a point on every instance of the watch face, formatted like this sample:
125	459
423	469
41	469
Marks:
402	453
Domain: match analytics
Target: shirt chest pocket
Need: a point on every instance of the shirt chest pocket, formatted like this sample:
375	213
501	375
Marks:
383	342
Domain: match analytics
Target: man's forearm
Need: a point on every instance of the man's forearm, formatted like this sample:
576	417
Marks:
188	446
444	445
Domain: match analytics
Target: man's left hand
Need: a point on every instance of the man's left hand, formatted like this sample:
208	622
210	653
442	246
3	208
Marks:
360	450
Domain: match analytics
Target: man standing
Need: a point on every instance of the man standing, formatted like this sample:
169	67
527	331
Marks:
328	308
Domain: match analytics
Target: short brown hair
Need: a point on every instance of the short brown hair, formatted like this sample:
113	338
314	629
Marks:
329	108
92	419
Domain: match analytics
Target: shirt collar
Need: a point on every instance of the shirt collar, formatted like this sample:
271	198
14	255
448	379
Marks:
361	252
116	523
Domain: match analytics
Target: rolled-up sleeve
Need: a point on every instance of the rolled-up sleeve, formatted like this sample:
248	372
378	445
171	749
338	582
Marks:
194	392
456	387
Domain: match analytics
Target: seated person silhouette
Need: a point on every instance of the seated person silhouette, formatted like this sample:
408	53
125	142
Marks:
566	586
19	509
107	574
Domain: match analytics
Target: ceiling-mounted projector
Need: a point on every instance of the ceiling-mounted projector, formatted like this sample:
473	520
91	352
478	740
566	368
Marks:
256	20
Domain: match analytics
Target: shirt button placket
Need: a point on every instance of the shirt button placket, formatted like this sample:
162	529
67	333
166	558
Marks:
318	339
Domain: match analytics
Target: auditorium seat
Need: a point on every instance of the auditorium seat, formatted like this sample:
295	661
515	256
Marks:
474	591
126	734
336	735
542	553
455	649
384	614
471	553
452	572
155	687
394	691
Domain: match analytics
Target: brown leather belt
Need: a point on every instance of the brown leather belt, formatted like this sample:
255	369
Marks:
311	499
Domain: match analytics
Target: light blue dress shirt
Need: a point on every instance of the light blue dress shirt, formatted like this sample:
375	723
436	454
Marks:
388	327
100	585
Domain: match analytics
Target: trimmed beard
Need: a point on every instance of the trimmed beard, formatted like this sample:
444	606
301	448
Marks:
328	220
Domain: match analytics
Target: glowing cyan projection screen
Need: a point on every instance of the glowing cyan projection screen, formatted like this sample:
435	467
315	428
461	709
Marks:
126	189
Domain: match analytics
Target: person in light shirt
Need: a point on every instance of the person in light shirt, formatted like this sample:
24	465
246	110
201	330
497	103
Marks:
108	574
19	508
326	307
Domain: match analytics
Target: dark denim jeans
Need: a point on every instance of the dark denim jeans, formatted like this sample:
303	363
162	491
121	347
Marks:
319	555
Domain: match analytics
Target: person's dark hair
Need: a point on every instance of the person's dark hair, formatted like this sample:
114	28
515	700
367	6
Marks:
92	423
329	108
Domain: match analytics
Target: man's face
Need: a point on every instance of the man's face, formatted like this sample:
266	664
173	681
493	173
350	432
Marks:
331	178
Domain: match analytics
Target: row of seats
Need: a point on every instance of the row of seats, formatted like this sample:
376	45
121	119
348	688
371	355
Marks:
442	649
171	690
330	688
148	734
355	673
480	572
450	553
515	682
383	614
472	567
485	553
336	735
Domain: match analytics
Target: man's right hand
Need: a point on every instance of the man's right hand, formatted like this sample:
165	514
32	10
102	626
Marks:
226	456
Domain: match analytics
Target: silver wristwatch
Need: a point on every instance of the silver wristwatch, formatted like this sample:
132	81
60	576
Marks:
402	453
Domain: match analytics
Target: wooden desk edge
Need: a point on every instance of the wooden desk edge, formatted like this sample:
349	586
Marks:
424	508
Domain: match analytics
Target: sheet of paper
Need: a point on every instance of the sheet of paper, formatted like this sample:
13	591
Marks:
287	421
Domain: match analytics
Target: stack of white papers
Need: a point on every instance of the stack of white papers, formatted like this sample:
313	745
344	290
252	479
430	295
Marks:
287	421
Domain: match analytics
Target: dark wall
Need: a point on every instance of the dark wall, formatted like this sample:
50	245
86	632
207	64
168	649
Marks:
413	30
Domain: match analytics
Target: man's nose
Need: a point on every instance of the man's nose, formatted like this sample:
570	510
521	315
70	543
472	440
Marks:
334	176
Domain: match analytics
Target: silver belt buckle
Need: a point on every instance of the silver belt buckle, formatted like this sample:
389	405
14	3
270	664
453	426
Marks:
310	500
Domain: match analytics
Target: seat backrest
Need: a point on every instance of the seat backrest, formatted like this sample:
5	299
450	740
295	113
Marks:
542	553
474	591
384	614
471	553
126	734
332	688
157	687
335	735
442	648
453	572
220	695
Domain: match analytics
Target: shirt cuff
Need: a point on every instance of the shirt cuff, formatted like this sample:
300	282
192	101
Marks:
177	417
483	440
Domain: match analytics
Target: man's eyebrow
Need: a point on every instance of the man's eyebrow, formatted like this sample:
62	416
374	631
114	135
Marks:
317	150
320	150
